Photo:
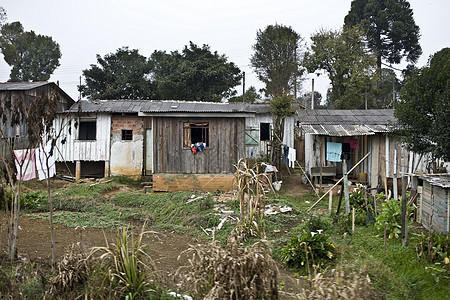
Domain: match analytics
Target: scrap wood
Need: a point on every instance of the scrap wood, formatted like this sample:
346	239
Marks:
348	172
105	181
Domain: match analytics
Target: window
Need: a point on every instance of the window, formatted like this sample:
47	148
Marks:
127	135
87	130
195	133
264	131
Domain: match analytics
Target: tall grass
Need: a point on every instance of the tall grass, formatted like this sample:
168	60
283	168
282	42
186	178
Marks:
129	275
397	273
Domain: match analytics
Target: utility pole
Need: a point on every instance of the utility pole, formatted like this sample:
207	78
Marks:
312	95
365	97
295	77
79	98
243	87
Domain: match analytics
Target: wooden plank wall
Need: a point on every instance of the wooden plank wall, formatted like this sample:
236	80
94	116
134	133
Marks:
226	146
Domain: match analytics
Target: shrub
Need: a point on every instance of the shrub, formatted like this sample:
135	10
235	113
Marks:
309	249
34	199
317	222
435	247
363	207
390	216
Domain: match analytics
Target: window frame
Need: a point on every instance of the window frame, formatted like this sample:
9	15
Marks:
187	133
127	134
85	131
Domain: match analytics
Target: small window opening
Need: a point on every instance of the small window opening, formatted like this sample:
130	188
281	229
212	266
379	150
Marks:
264	132
87	130
127	135
195	133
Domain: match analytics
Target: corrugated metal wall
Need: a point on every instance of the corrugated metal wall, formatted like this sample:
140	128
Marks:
74	149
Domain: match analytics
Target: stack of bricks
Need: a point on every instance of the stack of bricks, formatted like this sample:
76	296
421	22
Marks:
127	122
192	182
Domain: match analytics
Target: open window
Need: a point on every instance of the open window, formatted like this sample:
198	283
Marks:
87	130
127	135
264	131
195	132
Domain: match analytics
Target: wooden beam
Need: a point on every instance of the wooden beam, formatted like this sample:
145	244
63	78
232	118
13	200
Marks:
323	196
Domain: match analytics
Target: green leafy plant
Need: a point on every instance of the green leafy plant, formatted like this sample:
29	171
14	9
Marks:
364	210
390	217
128	274
34	199
308	249
435	247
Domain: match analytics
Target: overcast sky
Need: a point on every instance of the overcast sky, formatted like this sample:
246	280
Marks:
84	28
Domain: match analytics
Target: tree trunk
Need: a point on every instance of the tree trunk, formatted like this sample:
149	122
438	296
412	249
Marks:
15	215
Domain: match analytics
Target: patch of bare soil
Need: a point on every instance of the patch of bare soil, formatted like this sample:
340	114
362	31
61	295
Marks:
292	184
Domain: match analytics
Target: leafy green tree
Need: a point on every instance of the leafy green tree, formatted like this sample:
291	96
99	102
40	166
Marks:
250	96
195	74
389	27
350	68
385	93
276	58
423	112
33	57
121	75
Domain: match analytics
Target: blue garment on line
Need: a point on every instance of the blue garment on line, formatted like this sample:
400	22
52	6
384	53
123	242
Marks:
334	151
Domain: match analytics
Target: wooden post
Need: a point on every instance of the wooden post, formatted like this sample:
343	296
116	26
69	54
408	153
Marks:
77	171
346	195
339	181
353	219
330	202
404	214
321	170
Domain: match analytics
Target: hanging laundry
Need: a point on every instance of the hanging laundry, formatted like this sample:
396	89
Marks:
334	151
285	155
41	162
345	151
353	144
25	164
292	156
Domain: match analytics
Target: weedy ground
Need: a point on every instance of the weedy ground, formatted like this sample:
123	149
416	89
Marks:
90	215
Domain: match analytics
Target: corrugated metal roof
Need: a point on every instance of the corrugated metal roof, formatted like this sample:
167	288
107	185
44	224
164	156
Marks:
346	117
21	86
341	130
442	180
157	106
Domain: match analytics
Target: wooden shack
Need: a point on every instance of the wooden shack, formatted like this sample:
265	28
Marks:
182	145
367	131
435	204
26	93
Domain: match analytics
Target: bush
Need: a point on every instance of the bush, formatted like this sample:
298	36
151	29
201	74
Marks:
317	223
435	247
309	249
34	199
390	215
